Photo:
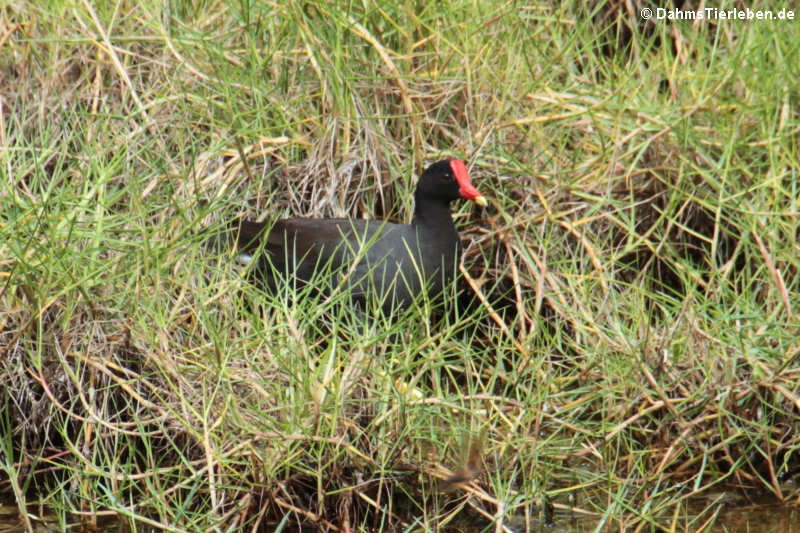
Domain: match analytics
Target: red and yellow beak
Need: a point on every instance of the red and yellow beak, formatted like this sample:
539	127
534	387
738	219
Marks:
465	187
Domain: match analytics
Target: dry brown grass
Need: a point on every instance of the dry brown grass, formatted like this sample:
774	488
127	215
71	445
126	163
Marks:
632	334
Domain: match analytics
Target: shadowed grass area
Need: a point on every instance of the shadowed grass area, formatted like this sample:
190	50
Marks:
626	337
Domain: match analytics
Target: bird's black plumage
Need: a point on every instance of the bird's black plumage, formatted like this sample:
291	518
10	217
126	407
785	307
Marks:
393	261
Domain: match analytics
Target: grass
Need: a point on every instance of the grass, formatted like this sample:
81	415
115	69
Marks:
636	342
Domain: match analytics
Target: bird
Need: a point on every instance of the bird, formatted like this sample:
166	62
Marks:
371	258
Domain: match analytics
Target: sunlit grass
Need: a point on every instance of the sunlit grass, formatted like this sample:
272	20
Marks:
628	338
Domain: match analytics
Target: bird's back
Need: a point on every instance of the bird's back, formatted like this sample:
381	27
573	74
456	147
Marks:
391	261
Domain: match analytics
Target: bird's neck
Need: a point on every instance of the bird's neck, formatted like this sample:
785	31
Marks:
433	215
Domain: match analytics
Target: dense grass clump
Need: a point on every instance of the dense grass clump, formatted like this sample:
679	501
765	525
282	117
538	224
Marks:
627	331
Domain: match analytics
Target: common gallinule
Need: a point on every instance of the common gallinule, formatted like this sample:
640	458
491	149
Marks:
393	261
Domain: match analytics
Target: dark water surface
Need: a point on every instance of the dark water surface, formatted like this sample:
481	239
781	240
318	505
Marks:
748	519
732	517
726	512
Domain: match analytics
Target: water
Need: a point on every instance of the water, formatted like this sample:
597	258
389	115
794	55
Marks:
734	516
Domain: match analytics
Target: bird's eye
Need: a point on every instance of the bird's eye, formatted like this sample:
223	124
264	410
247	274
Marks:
448	177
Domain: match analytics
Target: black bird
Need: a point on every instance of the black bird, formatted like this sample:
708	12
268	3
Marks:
391	261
